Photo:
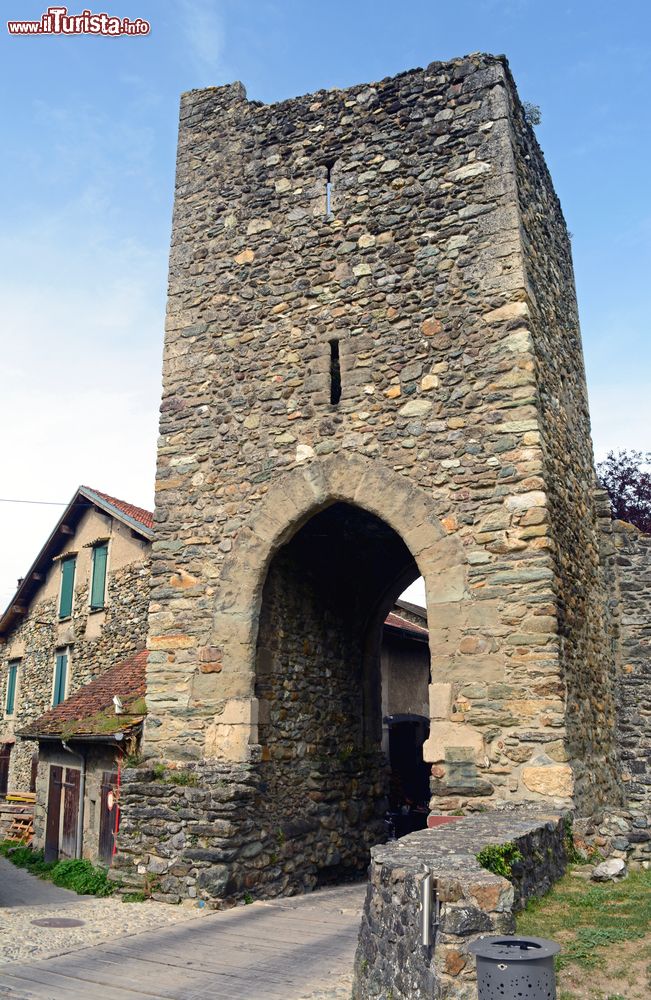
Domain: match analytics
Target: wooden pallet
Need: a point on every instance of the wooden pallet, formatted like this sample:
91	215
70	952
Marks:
17	817
21	829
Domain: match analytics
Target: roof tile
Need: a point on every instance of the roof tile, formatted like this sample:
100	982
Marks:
90	711
145	517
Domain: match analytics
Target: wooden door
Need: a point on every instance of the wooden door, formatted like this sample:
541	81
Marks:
68	847
5	753
53	813
108	817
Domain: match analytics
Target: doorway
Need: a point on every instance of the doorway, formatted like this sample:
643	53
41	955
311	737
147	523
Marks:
318	685
62	813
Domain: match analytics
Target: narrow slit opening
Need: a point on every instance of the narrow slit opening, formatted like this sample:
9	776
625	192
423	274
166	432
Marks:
328	205
335	373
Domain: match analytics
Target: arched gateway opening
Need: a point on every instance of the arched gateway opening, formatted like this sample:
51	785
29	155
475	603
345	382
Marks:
318	686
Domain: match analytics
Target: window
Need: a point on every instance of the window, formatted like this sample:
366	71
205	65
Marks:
12	679
67	586
98	584
335	373
60	678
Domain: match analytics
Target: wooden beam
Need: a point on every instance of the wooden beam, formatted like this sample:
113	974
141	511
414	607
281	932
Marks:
66	530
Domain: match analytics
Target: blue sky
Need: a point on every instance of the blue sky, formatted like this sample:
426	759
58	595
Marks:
87	173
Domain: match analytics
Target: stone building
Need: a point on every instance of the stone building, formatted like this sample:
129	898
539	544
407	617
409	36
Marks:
82	745
80	608
372	371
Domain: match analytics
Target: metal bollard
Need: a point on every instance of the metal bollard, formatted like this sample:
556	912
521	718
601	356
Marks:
510	968
429	912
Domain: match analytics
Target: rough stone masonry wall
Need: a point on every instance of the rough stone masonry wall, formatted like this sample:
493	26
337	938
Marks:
214	839
390	960
633	566
577	620
123	633
420	275
310	693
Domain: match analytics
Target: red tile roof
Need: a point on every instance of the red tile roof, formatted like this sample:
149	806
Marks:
137	513
90	711
397	621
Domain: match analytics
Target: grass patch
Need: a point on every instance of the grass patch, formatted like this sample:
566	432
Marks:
25	857
82	877
174	776
78	875
588	919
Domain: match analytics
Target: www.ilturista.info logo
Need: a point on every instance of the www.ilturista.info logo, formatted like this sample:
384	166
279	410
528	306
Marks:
57	21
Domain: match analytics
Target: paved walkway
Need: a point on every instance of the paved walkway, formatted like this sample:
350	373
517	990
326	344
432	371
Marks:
19	888
298	948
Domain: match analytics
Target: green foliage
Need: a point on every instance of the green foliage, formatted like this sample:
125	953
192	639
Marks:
574	856
173	776
82	877
137	707
499	858
135	897
181	778
532	113
626	476
592	918
25	857
346	753
248	898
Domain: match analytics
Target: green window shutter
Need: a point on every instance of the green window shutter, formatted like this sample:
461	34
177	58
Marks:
98	586
60	675
67	586
11	688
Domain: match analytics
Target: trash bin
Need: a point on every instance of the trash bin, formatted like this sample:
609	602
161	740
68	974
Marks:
515	968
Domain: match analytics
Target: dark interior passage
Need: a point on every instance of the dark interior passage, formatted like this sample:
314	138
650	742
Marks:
319	691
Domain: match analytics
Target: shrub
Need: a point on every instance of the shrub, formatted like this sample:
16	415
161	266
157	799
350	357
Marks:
82	877
499	858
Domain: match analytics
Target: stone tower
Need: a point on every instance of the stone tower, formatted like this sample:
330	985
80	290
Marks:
373	370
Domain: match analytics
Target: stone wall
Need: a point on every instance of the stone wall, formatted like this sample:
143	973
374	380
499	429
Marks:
390	959
213	839
566	643
315	763
632	556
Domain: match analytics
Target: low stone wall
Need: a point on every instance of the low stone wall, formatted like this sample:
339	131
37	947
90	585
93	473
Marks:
616	833
214	839
390	960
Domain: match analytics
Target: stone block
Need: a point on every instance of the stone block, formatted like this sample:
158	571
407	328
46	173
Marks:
446	735
552	779
440	701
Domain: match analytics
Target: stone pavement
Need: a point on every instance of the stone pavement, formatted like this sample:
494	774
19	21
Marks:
19	888
297	948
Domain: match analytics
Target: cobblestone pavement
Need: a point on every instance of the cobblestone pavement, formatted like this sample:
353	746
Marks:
299	948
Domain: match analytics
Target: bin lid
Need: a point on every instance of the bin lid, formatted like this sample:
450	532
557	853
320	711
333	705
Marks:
514	949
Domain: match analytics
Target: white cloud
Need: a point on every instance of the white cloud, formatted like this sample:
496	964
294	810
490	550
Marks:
621	417
203	29
82	322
